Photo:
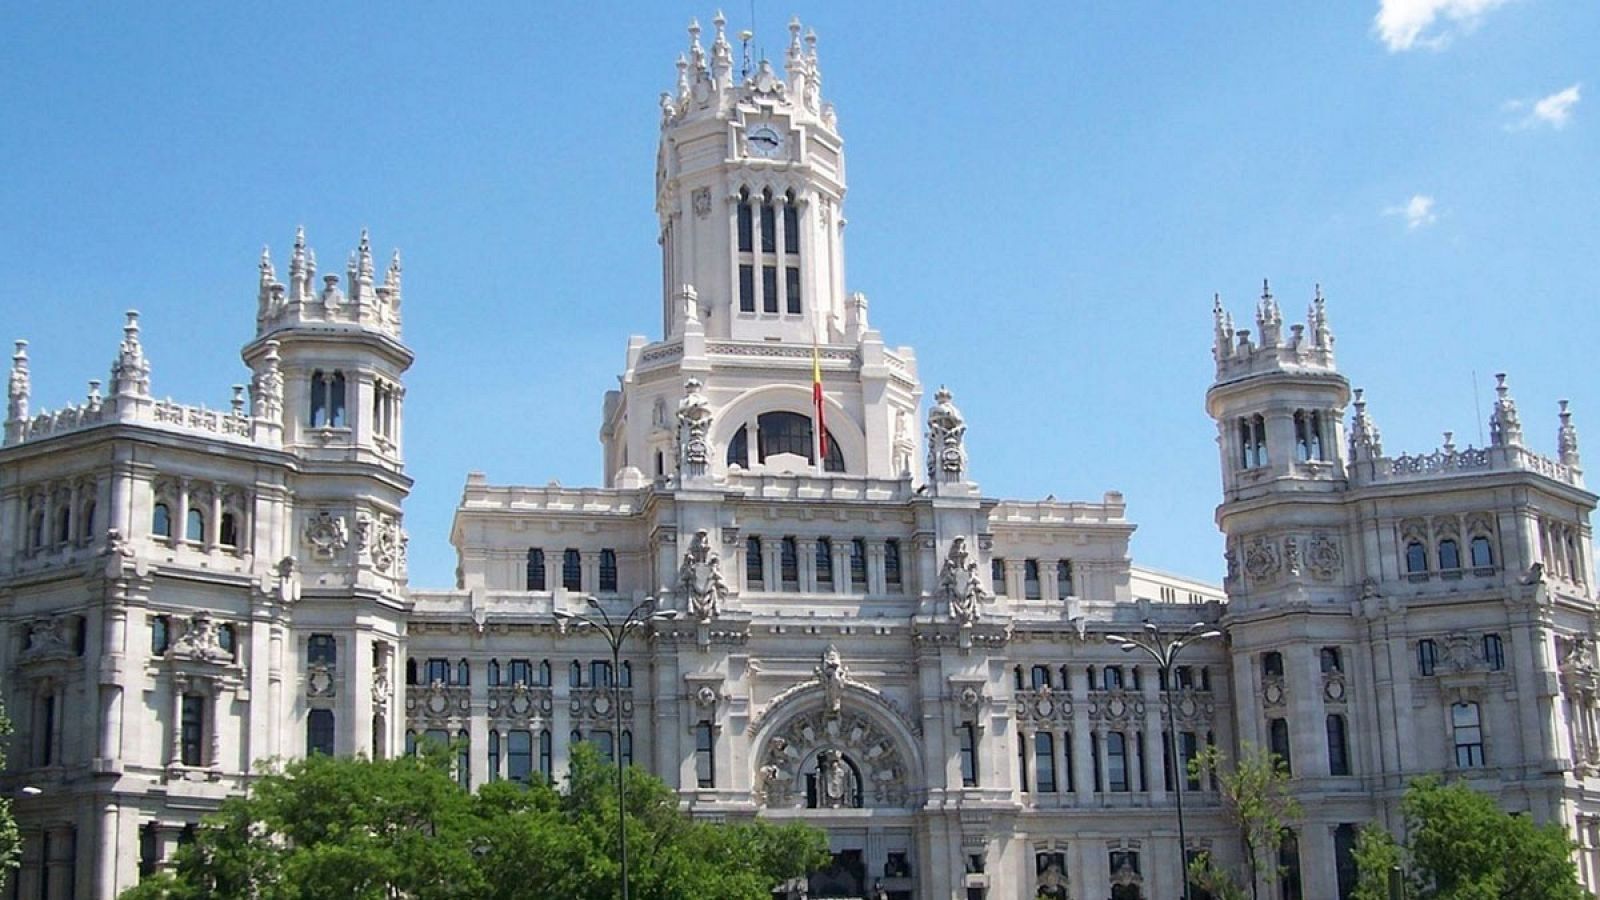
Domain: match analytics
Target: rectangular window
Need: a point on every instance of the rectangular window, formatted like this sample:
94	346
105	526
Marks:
1332	660
519	756
47	731
1030	579
858	565
1064	578
1468	735
788	562
791	289
464	760
1044	762
1278	743
1188	749
997	576
600	673
746	226
546	757
753	564
1427	656
791	229
160	635
1022	761
769	229
321	650
604	743
824	564
494	755
572	570
969	754
769	289
319	732
1117	762
608	570
747	288
1494	652
438	671
1338	747
192	730
891	562
521	672
535	574
705	755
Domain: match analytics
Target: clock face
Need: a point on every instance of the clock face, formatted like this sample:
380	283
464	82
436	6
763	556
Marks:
764	140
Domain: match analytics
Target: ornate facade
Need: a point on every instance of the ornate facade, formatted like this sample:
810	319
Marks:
856	636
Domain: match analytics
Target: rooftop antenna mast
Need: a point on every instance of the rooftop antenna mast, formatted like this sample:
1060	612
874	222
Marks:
745	36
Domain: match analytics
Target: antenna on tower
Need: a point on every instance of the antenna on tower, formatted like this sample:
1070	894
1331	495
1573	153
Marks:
744	39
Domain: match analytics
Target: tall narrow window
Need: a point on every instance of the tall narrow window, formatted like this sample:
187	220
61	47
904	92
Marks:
625	747
625	675
1449	554
600	673
608	570
438	671
195	526
1111	678
1039	677
575	674
160	635
464	759
463	673
1258	428
791	228
824	564
1427	656
494	755
228	531
192	730
1063	578
1272	664
1332	661
969	754
547	757
753	564
1044	762
319	732
891	563
571	570
1494	652
1308	435
1188	749
997	576
321	649
1468	730
789	564
747	288
160	522
1344	860
746	225
1338	747
47	731
858	565
227	639
1289	865
86	523
1278	744
791	290
705	755
1022	761
769	289
318	412
1117	762
519	756
534	580
769	225
336	416
604	742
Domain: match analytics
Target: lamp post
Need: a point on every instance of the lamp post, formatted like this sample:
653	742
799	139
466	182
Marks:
615	633
1165	652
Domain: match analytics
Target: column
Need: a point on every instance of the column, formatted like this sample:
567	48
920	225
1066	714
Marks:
1013	571
876	582
214	519
771	570
1156	724
806	549
1308	733
214	730
175	731
58	862
1082	752
478	726
589	574
180	516
1047	581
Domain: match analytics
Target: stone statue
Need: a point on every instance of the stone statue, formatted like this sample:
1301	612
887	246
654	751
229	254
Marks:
694	428
833	780
266	391
947	431
700	578
200	640
832	675
961	583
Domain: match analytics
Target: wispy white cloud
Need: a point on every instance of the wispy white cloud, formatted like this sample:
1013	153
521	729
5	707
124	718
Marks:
1554	110
1418	211
1404	24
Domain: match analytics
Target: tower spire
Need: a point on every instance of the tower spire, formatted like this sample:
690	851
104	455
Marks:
1567	439
130	373
1269	320
1505	426
1317	319
1365	441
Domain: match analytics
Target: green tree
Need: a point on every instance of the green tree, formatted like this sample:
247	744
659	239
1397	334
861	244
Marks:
353	829
1461	846
1255	797
10	837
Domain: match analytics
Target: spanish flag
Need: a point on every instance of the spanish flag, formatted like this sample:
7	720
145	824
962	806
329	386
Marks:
816	404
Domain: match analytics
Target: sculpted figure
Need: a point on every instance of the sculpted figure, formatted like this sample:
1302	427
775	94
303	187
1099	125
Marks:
700	578
962	583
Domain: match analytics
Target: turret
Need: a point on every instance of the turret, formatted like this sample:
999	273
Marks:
1279	403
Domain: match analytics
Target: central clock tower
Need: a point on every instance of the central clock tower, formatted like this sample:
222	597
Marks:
749	180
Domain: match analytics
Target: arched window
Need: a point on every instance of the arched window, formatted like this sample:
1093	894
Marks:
463	673
195	526
1449	554
1338	746
739	449
1039	677
411	671
63	523
571	570
534	576
494	755
1416	558
769	225
746	225
160	521
547	757
753	564
544	673
824	564
228	531
575	674
464	759
786	432
1289	887
1344	859
36	530
493	675
625	676
1272	664
1278	743
1482	553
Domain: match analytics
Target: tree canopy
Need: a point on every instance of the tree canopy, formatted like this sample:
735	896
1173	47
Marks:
10	838
352	829
1461	846
1255	796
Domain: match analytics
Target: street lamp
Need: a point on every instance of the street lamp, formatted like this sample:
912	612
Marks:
1165	653
615	633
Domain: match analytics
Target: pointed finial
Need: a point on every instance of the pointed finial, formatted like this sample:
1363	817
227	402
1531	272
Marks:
130	373
1266	290
391	278
364	258
20	385
1567	439
1505	424
1365	441
268	275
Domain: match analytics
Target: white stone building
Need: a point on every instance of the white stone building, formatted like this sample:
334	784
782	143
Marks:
858	637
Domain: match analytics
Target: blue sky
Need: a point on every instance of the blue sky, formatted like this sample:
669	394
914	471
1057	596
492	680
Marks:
1042	201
